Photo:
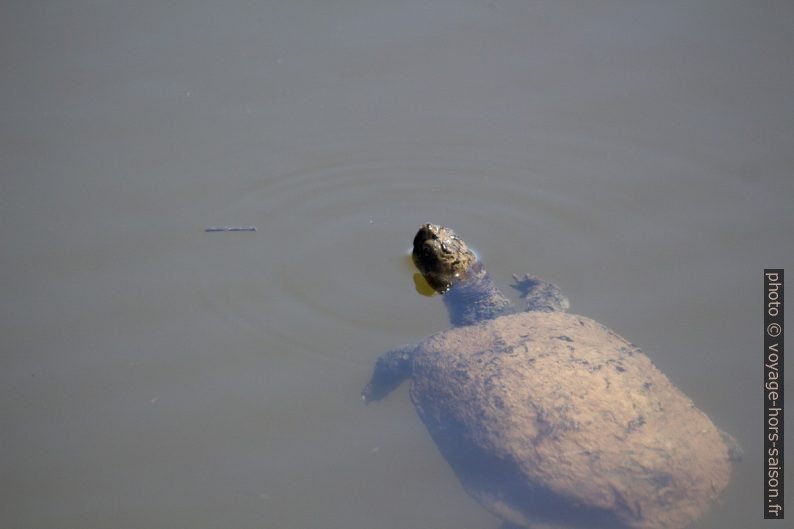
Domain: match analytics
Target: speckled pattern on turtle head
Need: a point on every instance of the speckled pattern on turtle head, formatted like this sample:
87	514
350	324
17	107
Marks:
549	419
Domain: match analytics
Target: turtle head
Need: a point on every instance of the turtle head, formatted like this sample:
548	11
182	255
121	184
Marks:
441	257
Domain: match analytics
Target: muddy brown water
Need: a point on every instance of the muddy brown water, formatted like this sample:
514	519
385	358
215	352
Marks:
154	375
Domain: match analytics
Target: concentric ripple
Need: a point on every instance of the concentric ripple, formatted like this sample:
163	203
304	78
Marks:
328	259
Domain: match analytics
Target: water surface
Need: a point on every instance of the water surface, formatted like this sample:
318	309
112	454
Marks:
638	154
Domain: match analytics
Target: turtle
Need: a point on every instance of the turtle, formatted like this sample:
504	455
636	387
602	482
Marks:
550	419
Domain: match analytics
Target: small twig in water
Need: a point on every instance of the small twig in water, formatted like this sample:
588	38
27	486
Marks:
230	228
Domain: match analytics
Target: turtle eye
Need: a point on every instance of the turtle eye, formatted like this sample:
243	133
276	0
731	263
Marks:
426	251
444	248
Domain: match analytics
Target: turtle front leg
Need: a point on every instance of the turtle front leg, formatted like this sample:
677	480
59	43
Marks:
391	369
540	295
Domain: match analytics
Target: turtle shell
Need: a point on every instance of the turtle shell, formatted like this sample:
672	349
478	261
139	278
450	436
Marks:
550	419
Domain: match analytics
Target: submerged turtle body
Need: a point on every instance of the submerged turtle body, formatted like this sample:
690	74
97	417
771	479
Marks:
551	416
550	419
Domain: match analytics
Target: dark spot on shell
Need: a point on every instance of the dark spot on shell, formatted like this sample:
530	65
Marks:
635	423
629	351
660	481
589	366
461	374
544	428
620	368
565	338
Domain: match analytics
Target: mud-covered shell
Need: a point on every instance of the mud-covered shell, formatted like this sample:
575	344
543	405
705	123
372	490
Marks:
552	419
